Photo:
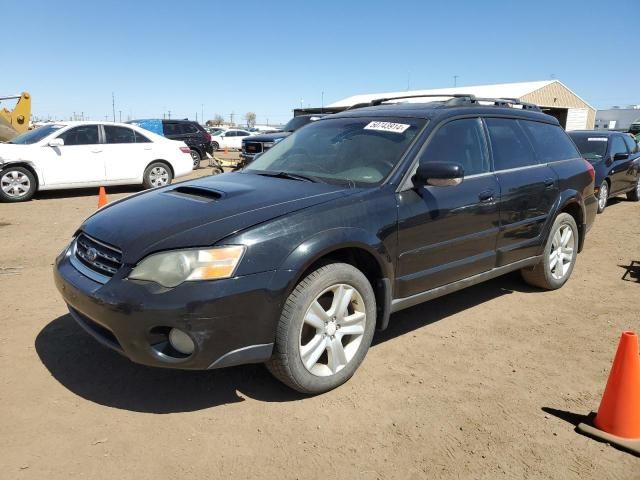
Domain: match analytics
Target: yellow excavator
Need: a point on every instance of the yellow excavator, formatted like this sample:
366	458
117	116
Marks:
16	121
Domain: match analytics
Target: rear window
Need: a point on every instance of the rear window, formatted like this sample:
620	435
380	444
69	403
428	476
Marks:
189	128
510	146
592	147
172	129
550	142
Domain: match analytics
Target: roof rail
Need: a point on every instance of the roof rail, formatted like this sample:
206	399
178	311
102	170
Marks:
455	100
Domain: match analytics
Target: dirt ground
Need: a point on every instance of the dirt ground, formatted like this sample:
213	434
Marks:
484	383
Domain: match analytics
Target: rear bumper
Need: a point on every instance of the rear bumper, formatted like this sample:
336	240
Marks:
231	322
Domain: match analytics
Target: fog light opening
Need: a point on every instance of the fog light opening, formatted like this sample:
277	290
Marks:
181	342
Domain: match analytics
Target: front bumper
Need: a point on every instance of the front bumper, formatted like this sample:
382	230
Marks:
231	321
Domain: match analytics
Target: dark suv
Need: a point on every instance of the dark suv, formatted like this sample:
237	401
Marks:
191	133
297	259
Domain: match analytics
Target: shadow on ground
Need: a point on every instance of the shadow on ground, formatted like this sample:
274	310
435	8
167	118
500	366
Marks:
632	272
103	376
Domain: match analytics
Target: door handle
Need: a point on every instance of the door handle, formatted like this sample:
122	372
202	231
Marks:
549	182
96	151
147	148
486	196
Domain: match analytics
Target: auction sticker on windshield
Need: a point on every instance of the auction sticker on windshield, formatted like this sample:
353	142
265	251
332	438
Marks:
387	127
596	139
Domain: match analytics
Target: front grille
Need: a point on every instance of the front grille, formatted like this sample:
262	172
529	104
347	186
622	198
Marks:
98	256
252	147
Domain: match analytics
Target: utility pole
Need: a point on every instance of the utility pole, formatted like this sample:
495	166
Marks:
120	115
106	117
322	103
169	114
455	80
231	117
113	106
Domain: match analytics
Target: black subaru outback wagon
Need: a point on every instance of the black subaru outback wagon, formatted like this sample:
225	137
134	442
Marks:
297	259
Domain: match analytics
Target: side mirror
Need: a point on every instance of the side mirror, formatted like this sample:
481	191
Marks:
56	142
621	156
438	174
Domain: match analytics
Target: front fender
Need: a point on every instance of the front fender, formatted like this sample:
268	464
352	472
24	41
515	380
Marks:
27	163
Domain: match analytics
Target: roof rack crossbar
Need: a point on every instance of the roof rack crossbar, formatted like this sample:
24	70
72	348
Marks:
456	99
379	101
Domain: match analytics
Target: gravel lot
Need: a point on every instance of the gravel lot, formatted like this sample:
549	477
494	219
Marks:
484	383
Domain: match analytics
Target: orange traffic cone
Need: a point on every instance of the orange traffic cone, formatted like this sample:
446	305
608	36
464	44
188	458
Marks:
618	418
102	198
226	151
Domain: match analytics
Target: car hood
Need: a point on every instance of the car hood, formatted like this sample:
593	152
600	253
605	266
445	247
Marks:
13	152
201	212
266	137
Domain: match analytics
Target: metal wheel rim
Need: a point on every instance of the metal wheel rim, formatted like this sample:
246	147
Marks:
331	334
562	252
602	199
195	157
15	184
638	188
159	176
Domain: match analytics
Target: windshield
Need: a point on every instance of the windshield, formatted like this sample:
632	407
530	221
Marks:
353	151
34	136
591	147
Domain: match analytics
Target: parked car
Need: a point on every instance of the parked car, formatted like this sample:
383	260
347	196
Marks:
297	259
616	160
187	131
259	143
231	138
84	154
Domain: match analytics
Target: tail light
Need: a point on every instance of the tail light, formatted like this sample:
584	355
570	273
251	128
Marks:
207	137
185	150
591	170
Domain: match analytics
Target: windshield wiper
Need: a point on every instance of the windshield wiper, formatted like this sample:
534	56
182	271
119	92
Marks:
291	176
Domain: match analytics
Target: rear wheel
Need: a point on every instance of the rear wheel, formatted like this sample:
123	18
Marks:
603	196
325	329
196	158
558	258
634	195
17	184
158	174
215	146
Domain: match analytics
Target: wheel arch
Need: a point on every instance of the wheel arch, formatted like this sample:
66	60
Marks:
29	166
570	202
161	160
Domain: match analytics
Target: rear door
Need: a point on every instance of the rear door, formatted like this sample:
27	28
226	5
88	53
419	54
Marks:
528	190
79	161
125	153
449	233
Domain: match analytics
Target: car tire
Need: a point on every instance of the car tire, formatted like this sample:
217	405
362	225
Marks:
558	258
195	155
157	174
603	196
215	146
17	184
634	195
311	329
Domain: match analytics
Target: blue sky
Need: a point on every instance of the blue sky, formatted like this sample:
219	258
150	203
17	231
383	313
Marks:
267	56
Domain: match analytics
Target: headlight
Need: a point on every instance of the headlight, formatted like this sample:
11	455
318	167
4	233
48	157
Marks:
268	144
170	269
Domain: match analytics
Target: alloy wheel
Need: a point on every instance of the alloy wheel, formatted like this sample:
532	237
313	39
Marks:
332	330
159	176
604	193
562	252
15	184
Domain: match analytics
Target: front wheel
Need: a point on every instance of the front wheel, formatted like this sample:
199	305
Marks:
634	195
17	184
603	196
158	174
325	329
558	258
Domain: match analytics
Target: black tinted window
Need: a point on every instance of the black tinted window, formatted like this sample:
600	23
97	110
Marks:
550	142
189	128
460	141
141	138
631	144
84	135
509	144
230	133
617	145
115	134
243	134
172	129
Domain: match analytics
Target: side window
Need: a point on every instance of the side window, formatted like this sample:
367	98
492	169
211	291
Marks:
550	142
460	141
115	134
84	135
141	138
172	129
631	144
230	133
243	134
509	144
189	128
617	145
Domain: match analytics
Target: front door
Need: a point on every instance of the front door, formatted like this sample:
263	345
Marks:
78	161
449	233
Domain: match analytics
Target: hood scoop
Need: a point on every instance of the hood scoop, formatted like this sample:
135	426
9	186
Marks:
195	193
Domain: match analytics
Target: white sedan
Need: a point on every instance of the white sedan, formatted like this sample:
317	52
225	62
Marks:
86	154
231	138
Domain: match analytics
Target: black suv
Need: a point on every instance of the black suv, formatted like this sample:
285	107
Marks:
191	133
297	259
257	144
